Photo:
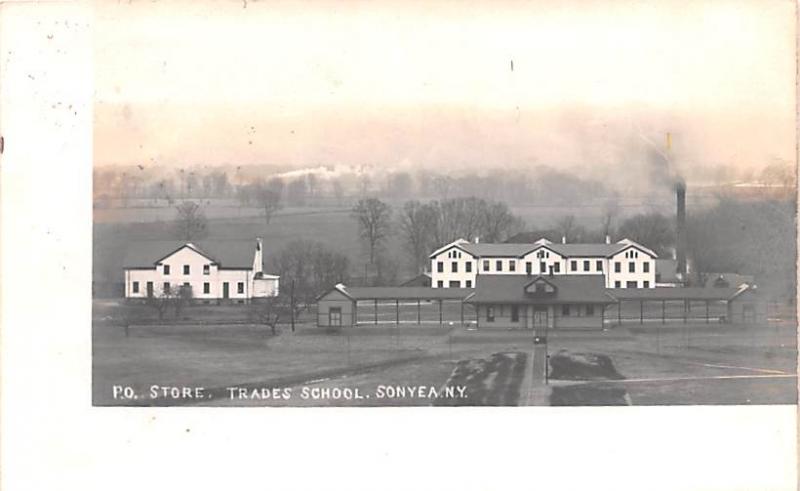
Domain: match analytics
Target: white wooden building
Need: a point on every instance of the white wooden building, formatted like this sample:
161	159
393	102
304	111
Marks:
625	264
222	270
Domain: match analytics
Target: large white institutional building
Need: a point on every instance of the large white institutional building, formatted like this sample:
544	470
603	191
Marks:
625	264
227	270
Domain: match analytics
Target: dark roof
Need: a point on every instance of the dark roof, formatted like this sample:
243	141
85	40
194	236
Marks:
677	293
565	250
511	289
732	279
231	254
423	279
404	293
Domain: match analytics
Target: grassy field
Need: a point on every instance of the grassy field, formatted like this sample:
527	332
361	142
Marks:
692	364
333	227
695	365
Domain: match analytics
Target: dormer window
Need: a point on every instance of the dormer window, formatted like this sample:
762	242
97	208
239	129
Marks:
206	269
166	269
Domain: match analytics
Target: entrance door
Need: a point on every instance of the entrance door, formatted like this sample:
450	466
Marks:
225	290
539	317
149	289
335	316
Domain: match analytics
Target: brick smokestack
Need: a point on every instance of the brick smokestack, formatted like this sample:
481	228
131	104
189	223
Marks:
680	228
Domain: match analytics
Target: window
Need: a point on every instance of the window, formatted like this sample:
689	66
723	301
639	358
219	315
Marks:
573	265
646	267
631	284
499	265
454	267
586	265
557	267
599	265
186	269
631	267
528	267
618	267
646	284
166	269
468	267
589	310
514	313
565	310
440	284
617	284
240	287
166	287
206	269
512	265
135	287
486	265
455	284
490	314
440	267
206	288
469	284
542	267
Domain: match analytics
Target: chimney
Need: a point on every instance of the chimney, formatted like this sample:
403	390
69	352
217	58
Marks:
680	228
608	239
563	239
477	240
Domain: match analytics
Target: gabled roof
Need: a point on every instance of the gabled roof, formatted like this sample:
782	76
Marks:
228	254
509	289
568	250
399	292
459	243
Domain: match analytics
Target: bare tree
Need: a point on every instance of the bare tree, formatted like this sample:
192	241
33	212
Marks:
418	224
268	200
309	268
267	312
338	190
498	222
374	223
191	223
568	228
652	230
609	217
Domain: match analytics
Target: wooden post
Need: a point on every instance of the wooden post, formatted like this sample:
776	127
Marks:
376	311
440	313
397	310
602	317
707	302
619	312
419	312
663	311
291	303
641	311
685	309
462	312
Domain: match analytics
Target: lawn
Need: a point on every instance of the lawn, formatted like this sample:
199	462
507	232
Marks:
696	365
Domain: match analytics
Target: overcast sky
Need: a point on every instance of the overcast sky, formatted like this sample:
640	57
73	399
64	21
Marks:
418	83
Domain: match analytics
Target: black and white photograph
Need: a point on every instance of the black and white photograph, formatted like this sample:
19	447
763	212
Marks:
482	204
